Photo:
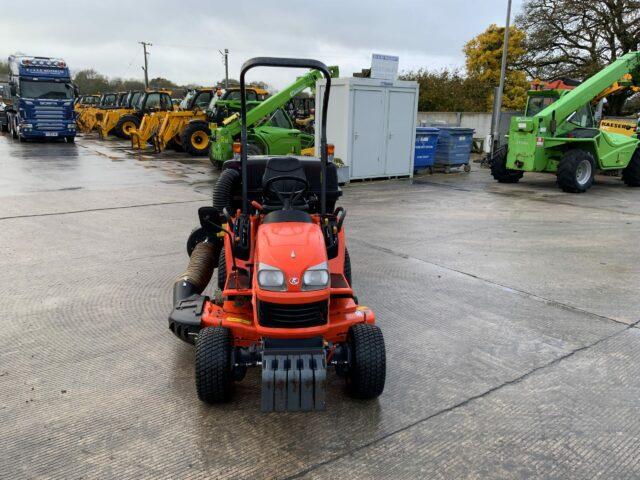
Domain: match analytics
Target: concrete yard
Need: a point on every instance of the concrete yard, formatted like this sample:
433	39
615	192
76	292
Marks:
510	315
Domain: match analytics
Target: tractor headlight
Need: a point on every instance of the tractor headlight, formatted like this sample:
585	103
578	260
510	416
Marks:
270	278
316	277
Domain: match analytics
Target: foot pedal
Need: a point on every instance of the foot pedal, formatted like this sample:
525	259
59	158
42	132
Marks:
294	374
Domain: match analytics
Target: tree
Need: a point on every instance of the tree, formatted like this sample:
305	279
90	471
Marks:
89	81
448	91
577	38
484	60
160	82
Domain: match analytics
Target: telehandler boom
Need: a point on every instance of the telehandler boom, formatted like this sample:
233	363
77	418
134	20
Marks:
267	138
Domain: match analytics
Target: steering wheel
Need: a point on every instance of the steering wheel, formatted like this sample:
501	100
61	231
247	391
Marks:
289	197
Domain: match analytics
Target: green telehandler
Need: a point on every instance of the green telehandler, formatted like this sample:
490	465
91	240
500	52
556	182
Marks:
558	134
270	131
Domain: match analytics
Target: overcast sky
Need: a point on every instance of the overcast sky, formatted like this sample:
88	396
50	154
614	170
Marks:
186	34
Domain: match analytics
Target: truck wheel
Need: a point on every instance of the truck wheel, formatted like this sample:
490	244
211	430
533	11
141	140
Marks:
368	365
576	171
499	170
195	138
214	367
14	132
70	139
125	125
631	174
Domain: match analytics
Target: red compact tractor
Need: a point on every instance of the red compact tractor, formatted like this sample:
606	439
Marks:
286	304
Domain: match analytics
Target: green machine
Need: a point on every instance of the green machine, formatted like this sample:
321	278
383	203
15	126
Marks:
558	134
270	131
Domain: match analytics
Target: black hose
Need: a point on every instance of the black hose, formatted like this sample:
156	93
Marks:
223	189
198	273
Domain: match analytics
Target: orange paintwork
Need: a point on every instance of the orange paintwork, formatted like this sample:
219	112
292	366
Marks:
273	244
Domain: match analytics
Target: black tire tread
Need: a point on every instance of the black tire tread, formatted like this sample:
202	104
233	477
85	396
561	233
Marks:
566	173
117	130
189	130
214	372
631	174
367	371
222	269
499	170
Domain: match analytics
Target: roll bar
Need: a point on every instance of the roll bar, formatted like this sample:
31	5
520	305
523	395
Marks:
285	63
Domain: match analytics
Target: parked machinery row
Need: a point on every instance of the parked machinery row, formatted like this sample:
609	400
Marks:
205	122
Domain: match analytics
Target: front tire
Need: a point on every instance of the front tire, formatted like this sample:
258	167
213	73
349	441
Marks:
631	174
195	138
125	125
576	171
499	170
214	367
368	364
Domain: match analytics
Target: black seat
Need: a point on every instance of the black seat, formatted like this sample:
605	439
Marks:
256	167
283	167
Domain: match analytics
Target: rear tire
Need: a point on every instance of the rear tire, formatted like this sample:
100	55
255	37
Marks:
499	170
368	364
576	171
195	138
14	132
631	174
125	125
214	367
222	269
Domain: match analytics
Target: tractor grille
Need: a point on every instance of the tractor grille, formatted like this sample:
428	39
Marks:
280	315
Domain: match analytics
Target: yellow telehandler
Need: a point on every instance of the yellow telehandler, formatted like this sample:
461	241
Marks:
187	128
111	119
88	118
147	116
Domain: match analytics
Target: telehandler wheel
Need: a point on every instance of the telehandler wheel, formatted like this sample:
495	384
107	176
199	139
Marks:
253	149
576	171
368	364
176	144
631	174
125	125
195	138
499	170
214	367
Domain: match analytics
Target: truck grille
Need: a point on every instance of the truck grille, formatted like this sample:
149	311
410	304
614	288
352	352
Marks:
281	315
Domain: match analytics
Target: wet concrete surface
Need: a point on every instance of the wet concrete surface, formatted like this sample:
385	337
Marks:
509	311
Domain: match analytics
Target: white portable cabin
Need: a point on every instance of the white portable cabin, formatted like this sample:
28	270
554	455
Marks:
372	124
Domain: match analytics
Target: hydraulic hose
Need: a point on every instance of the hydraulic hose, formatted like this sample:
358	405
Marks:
223	189
196	277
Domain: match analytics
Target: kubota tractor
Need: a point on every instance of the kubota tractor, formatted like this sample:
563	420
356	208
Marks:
286	304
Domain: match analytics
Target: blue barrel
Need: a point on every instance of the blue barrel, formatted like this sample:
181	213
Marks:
454	146
425	150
